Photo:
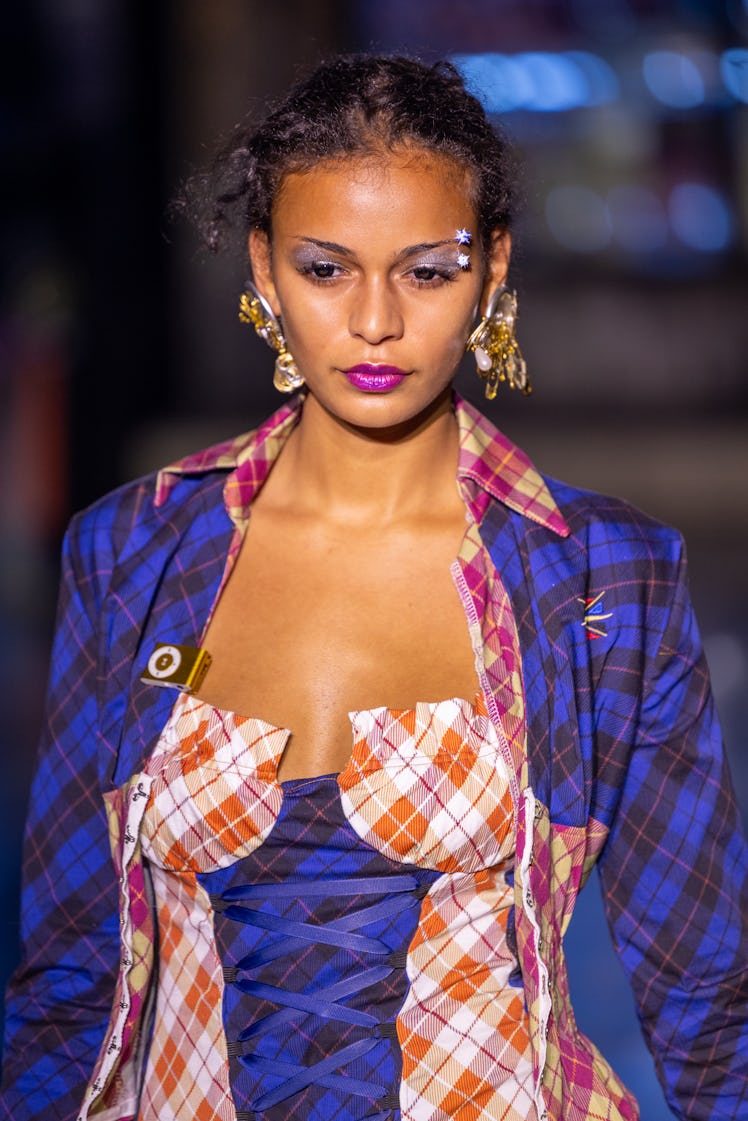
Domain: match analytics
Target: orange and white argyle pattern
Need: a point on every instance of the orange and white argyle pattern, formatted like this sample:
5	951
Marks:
428	786
213	799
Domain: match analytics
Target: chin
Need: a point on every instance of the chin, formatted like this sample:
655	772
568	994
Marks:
385	411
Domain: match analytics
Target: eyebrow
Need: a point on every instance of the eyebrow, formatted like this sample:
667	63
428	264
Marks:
334	247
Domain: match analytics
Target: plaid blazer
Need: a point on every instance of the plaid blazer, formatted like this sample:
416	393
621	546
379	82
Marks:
595	676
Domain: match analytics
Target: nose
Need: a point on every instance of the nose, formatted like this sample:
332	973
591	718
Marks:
375	314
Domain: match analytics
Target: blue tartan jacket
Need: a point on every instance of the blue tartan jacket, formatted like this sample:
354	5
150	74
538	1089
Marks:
623	755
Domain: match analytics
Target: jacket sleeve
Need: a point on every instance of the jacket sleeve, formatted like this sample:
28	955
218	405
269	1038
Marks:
59	999
674	872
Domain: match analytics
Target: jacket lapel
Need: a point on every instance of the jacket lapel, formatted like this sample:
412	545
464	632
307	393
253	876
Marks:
543	575
162	591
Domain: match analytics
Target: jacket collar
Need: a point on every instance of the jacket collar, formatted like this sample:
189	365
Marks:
489	466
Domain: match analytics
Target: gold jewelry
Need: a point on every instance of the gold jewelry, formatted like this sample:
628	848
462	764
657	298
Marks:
497	353
256	311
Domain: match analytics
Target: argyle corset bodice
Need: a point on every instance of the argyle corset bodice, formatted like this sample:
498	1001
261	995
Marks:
340	946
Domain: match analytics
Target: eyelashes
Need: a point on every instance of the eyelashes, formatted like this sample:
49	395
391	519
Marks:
321	271
424	275
430	276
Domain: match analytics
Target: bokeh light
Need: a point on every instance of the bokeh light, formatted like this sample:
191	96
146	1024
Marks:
734	70
674	79
700	216
602	83
538	81
556	82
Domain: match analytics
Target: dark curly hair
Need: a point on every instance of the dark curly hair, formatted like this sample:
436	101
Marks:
353	105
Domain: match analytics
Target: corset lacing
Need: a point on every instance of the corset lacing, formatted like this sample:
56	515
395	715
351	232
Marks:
396	893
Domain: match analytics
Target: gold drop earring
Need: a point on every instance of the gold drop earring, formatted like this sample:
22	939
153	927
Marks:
497	354
256	311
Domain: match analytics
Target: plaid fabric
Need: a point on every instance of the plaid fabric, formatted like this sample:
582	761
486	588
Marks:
620	751
496	644
466	1049
212	802
209	804
187	1068
626	763
275	956
429	786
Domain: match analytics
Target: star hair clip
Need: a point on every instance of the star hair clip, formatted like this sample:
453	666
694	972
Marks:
464	240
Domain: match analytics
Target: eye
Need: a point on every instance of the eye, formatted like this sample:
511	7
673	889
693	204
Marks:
320	271
424	273
431	276
323	270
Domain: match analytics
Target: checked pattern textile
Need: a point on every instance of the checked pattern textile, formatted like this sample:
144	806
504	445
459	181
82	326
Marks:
219	830
596	686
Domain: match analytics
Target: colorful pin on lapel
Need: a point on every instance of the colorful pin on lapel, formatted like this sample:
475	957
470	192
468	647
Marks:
594	617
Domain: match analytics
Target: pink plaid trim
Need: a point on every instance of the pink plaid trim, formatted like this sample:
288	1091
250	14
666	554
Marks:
555	859
249	456
114	1080
503	470
496	645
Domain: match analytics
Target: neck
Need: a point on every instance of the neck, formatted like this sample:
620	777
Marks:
351	474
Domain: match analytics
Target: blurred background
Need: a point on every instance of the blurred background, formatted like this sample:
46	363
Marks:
120	347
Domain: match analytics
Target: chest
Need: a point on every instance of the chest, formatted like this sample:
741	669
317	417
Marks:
315	622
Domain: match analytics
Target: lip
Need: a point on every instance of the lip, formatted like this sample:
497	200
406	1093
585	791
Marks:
375	378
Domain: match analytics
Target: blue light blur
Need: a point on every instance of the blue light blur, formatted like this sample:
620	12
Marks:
538	81
734	69
674	79
700	216
553	82
487	77
556	82
602	83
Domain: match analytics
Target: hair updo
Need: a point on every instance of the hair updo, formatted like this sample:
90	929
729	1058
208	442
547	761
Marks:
350	106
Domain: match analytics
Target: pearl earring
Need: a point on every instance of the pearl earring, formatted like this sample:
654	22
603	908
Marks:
497	354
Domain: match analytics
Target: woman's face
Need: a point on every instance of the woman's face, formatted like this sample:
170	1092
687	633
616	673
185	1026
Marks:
365	276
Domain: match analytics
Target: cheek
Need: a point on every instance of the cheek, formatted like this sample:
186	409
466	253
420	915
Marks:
454	350
449	327
309	330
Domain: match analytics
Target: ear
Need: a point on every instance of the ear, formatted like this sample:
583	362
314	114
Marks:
497	265
261	260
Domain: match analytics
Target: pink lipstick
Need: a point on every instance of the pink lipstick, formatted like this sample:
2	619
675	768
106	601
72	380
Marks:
375	379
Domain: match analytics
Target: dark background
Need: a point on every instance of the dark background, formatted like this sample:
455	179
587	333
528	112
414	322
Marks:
120	347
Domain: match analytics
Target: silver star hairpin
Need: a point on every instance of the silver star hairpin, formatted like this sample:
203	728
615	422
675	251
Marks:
463	237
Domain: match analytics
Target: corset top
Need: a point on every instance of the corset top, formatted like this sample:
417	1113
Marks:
325	942
426	785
